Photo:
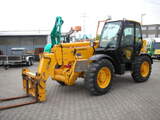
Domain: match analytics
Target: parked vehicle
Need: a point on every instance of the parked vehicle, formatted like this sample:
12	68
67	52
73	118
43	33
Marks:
17	56
153	48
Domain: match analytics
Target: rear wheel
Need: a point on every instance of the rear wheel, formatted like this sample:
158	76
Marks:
141	69
99	76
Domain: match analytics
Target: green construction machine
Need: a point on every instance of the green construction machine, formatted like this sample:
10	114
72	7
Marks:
153	48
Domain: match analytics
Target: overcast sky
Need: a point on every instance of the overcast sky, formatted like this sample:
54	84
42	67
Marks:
40	14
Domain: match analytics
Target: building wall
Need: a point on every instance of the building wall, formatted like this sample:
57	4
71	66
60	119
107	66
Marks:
29	42
151	31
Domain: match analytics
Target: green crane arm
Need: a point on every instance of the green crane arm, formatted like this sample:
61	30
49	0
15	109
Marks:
55	34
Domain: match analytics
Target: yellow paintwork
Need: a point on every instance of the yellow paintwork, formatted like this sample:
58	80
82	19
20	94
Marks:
144	69
104	77
144	47
157	52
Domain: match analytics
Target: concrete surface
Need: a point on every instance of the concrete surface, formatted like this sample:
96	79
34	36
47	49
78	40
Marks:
126	100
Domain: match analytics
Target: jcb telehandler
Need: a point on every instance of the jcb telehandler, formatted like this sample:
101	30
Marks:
117	51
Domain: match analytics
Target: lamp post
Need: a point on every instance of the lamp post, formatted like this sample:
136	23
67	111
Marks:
142	15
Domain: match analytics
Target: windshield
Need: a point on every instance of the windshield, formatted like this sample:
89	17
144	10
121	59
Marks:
17	52
157	45
109	35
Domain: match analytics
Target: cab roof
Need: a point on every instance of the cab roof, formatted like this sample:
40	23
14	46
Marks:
124	20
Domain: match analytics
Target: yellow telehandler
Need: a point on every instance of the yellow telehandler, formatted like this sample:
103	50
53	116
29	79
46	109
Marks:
117	51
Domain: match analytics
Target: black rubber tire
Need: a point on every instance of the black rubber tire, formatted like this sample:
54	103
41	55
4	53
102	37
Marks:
61	83
136	69
6	67
91	77
29	62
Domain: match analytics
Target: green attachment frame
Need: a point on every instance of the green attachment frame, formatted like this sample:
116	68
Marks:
55	34
56	31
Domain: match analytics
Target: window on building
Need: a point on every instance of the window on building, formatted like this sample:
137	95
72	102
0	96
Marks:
144	28
144	36
151	35
151	28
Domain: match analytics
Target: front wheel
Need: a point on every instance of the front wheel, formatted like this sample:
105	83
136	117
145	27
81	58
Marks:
6	67
30	62
141	69
99	77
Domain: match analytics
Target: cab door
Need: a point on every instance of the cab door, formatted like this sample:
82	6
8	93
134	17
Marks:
127	41
139	43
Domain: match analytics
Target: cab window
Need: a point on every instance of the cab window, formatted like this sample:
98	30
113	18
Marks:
128	35
138	36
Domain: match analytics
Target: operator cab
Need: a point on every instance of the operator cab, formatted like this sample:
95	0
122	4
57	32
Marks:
121	40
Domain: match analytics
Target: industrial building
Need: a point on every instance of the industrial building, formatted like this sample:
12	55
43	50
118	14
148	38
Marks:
151	31
28	39
23	39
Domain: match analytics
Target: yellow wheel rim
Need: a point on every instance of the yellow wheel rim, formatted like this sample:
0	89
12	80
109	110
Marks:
104	77
144	69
